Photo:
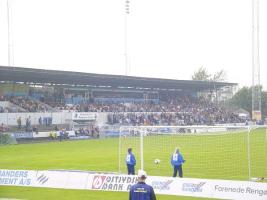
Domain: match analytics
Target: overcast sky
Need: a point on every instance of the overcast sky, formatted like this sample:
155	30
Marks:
166	38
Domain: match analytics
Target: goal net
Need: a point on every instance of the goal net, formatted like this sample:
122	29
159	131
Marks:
214	152
258	153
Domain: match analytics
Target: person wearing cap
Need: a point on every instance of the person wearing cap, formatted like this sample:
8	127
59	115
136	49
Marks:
141	190
177	161
130	162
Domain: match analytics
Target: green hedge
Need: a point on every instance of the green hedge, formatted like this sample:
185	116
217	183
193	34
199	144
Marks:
7	139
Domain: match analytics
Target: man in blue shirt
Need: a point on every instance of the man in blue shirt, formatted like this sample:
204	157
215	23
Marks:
130	162
177	161
142	191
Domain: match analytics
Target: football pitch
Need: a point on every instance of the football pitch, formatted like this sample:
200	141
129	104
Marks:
220	156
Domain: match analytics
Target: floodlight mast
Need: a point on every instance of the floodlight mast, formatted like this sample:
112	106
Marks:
256	87
8	33
127	12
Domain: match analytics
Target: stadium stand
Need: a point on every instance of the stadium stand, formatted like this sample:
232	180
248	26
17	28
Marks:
28	104
125	100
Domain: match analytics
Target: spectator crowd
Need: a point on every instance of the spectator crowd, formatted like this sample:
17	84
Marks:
29	105
183	110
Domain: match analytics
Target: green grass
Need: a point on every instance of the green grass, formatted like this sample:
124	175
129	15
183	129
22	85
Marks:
219	156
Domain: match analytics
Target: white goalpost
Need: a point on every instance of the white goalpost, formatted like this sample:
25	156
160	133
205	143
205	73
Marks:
215	152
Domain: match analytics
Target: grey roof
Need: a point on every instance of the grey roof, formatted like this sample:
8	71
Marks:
41	76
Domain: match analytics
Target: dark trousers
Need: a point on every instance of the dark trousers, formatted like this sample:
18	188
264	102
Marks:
130	169
179	169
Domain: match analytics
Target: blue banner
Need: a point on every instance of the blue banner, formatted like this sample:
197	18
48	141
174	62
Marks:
20	135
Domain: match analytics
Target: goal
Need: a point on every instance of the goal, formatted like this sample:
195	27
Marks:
214	152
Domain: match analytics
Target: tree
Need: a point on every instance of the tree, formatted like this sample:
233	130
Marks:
243	99
264	103
219	76
201	75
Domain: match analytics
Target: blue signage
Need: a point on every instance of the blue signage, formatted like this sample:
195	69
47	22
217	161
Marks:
20	135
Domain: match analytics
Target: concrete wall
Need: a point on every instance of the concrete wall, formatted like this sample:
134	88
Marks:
10	119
